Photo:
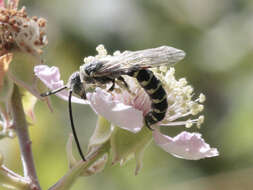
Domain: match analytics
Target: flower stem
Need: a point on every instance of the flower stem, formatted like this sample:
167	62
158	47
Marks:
21	128
72	175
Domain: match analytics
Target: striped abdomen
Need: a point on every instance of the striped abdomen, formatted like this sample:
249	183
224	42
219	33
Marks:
156	92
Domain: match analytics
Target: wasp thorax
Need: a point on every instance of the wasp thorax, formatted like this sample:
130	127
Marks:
86	71
76	85
90	68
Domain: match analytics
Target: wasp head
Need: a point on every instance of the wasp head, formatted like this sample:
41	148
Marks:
77	85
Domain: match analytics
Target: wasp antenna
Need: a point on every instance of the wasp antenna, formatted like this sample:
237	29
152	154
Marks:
53	91
73	128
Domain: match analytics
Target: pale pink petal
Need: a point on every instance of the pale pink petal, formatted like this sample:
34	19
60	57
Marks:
119	114
50	76
12	4
2	3
185	145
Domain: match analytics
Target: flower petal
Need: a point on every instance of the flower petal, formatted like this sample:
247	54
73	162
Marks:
119	114
185	145
2	3
50	76
12	4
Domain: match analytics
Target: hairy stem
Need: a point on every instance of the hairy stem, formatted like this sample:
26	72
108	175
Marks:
21	128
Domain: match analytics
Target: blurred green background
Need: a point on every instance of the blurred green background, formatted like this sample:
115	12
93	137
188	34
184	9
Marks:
218	39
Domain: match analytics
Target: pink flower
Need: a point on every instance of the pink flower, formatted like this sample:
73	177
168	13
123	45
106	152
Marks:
126	111
123	112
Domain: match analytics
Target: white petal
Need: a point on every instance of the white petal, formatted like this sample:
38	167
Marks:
185	145
119	114
50	76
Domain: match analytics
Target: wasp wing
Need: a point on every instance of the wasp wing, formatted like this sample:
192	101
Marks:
124	62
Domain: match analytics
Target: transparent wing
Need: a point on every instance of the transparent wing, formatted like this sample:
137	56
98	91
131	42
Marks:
124	62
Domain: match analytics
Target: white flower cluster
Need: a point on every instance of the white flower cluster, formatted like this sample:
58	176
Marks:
102	52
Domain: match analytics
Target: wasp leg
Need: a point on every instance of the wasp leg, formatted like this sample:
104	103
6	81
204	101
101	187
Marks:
113	85
148	126
123	84
123	80
149	120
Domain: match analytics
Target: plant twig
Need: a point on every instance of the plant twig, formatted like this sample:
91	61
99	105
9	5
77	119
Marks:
21	128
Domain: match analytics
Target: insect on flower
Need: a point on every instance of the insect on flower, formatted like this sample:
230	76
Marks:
110	69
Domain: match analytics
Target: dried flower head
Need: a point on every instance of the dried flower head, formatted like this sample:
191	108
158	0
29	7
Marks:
18	31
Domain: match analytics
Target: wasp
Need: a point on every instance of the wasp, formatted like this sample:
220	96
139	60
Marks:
110	69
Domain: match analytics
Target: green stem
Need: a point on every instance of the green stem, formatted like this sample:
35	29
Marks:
11	180
72	175
21	128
